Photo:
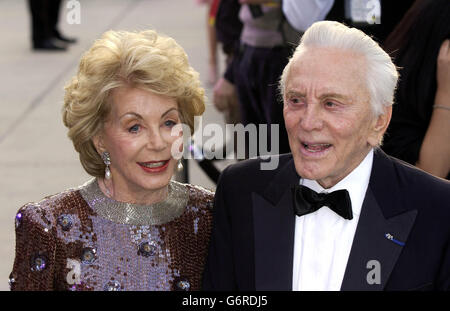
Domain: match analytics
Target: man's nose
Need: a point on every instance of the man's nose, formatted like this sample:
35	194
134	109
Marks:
312	118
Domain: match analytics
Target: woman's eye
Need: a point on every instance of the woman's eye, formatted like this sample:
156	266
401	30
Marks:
134	129
169	123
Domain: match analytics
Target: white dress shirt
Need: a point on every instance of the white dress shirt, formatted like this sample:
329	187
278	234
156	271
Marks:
323	239
303	13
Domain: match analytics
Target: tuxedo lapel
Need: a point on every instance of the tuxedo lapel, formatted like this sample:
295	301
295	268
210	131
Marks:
274	228
274	242
383	229
372	251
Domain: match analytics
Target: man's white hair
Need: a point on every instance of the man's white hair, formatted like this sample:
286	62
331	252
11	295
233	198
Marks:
381	75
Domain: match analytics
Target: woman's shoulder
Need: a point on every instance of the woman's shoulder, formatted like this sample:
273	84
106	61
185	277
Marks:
198	195
47	210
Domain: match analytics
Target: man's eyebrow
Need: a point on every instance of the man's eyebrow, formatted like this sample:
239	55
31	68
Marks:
295	93
333	94
322	96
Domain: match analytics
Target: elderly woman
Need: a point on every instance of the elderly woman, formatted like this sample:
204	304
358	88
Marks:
131	227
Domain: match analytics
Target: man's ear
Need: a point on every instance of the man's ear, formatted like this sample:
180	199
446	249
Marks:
379	126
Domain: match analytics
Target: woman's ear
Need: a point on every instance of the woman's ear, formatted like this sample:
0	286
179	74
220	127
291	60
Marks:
98	142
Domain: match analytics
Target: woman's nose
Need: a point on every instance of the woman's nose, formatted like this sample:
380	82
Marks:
155	140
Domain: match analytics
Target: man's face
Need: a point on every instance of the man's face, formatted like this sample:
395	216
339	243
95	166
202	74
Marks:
328	116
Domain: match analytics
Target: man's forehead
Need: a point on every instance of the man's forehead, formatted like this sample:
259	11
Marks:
325	71
329	60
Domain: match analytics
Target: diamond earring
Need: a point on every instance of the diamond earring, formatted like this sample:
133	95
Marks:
107	160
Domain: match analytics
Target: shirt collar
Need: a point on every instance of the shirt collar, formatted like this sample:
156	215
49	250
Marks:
355	183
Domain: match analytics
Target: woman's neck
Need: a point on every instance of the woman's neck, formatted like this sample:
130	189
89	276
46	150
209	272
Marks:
127	195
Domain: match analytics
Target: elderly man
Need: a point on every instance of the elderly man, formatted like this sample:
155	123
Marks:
337	213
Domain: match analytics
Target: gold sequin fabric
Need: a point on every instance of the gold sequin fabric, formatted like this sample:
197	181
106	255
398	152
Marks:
81	240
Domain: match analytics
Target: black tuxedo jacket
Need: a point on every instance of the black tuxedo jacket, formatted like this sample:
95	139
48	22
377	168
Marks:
252	244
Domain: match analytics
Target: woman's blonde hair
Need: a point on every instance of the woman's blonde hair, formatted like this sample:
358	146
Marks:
144	60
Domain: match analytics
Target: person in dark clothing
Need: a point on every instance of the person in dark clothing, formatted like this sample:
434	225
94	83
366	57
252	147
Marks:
390	14
228	29
265	44
419	132
44	22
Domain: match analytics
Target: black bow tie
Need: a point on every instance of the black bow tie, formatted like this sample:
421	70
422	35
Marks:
308	201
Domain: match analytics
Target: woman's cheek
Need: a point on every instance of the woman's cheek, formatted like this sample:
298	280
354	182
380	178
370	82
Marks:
174	138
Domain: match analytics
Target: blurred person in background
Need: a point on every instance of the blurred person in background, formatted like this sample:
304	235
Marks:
44	26
228	29
419	132
130	227
257	63
212	40
376	18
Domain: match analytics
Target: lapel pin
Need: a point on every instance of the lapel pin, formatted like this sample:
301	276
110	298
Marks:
391	237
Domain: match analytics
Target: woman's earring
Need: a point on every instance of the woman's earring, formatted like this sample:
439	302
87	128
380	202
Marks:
107	160
179	166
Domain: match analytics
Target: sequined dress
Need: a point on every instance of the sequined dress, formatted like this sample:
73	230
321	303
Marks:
82	240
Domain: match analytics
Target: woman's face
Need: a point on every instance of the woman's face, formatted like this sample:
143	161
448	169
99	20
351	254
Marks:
137	134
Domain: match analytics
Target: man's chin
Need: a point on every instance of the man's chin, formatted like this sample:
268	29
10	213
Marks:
309	173
309	167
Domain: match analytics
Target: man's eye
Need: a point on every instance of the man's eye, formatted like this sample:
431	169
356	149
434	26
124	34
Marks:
295	101
134	129
330	104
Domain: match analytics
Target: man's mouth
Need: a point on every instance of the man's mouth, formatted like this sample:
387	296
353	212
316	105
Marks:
314	148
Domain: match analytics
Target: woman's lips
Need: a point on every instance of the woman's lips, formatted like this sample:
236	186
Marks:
154	166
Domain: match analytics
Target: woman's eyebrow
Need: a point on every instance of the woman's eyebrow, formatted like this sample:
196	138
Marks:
132	114
137	115
168	111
